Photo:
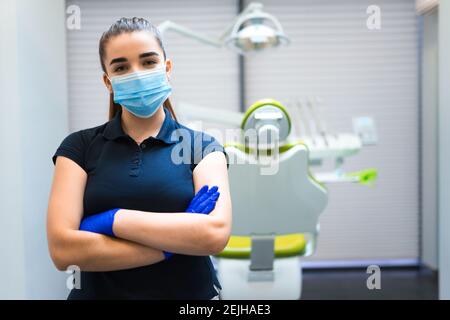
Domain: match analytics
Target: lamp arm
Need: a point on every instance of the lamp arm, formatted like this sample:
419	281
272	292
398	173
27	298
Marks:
250	10
169	25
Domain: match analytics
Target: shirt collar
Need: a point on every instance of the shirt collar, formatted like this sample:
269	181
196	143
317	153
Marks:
114	128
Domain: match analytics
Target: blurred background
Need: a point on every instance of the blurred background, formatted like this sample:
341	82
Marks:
377	76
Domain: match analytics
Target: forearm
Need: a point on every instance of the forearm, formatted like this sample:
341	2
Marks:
96	252
177	232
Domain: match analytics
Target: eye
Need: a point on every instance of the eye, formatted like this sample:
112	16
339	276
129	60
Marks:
148	62
120	69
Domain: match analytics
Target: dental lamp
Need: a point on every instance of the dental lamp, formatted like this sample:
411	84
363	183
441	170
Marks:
252	30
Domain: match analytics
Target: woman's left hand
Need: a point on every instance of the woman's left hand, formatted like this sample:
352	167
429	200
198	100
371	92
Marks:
204	201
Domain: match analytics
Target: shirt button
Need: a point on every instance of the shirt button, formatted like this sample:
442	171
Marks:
143	145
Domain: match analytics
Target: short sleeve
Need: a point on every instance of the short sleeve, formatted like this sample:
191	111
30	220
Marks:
72	147
204	144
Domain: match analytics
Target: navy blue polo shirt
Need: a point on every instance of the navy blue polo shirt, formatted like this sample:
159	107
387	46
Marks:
124	174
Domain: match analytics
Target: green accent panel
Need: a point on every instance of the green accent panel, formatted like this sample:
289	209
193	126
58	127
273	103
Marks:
366	177
287	146
238	146
281	149
289	245
265	102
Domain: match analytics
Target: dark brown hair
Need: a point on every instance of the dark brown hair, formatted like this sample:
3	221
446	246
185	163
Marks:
126	25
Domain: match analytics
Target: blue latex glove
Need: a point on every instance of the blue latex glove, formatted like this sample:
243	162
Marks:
103	223
203	202
100	223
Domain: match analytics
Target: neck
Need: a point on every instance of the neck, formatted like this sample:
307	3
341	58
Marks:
142	128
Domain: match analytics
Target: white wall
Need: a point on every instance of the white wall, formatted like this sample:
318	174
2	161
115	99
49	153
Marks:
11	225
444	150
429	132
33	98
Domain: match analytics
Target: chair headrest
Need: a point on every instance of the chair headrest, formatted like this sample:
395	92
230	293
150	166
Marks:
267	115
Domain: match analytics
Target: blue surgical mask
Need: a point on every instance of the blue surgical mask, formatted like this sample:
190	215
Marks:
141	92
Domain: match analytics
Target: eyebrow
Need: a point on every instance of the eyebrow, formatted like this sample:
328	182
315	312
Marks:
142	55
148	54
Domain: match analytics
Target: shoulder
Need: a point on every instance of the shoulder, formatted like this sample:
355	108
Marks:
201	143
83	137
75	144
199	140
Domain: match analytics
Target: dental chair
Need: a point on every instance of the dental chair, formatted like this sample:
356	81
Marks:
276	208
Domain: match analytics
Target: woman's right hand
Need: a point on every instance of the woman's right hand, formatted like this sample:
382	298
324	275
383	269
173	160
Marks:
204	201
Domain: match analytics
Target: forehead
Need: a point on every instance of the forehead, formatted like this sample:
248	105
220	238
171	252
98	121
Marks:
132	44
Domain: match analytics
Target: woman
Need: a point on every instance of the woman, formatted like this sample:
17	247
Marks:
122	205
